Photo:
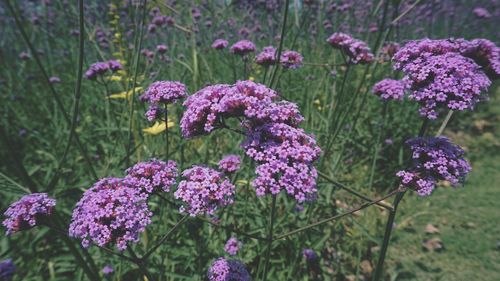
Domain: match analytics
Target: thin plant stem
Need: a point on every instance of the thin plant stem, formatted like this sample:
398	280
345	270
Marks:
165	237
77	95
280	47
270	237
445	122
138	47
323	221
140	264
166	133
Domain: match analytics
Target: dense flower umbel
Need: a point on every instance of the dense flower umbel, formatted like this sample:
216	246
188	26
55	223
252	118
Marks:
162	92
228	270
291	59
243	47
389	89
356	50
27	212
153	175
208	106
232	246
7	270
434	159
267	57
309	254
204	190
219	44
110	212
485	53
284	155
230	163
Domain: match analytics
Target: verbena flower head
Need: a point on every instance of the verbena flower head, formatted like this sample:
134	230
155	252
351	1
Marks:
230	163
107	269
115	65
309	254
357	50
291	59
228	270
27	212
434	159
7	270
54	80
232	246
267	57
162	92
153	175
161	48
481	13
206	108
485	53
219	44
96	69
389	89
204	190
285	156
243	47
110	212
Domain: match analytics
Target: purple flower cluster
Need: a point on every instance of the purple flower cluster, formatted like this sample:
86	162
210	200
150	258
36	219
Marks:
438	75
207	107
357	50
101	68
284	153
267	57
219	44
243	47
107	270
434	159
389	89
203	190
485	53
112	211
27	212
481	13
232	246
153	175
230	163
291	59
7	270
309	254
162	92
228	270
285	157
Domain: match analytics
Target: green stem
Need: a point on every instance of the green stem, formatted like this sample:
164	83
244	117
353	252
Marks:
166	134
165	237
270	237
280	48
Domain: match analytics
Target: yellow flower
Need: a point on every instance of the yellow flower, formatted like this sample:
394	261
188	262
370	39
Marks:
115	78
242	182
124	94
157	128
251	78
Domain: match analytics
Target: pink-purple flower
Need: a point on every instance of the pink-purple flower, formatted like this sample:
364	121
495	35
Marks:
243	47
27	212
230	163
267	57
233	246
161	93
356	50
291	59
219	44
153	175
228	270
203	191
389	89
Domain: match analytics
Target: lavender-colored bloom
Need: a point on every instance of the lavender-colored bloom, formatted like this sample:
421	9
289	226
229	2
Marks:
309	254
434	159
484	52
7	270
232	246
357	50
161	49
162	92
266	57
153	175
110	212
96	69
107	270
389	89
481	13
203	191
54	80
27	212
439	77
243	47
228	270
291	59
115	65
24	55
219	44
285	156
230	163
